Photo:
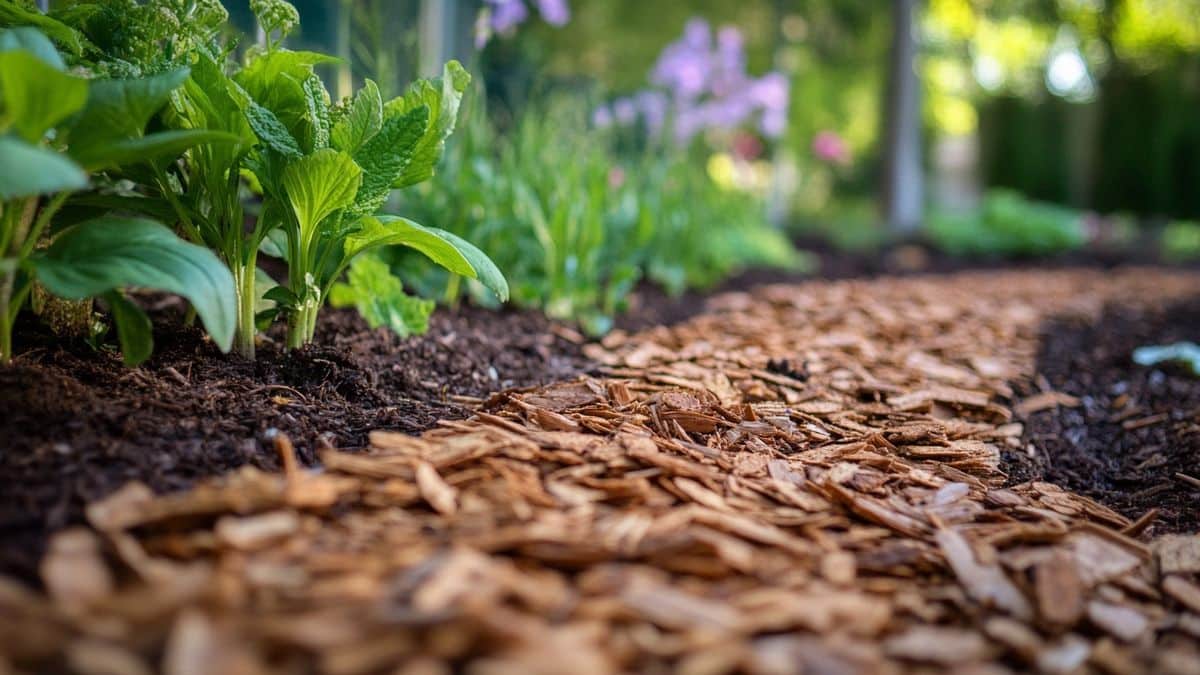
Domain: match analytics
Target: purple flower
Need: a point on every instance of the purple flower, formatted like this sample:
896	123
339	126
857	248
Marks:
697	34
507	15
483	29
683	70
554	12
771	91
624	111
688	123
602	117
773	123
731	50
653	106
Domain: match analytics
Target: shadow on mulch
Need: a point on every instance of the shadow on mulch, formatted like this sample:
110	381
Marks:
77	424
1135	427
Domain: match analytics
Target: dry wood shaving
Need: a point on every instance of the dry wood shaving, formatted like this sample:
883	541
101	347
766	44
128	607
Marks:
802	479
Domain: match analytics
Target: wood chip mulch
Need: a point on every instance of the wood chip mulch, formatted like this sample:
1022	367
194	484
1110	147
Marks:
806	479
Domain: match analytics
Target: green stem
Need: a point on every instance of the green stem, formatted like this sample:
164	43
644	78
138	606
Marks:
244	277
297	322
39	225
452	290
6	289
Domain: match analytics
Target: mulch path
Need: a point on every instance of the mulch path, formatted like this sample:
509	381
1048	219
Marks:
77	425
804	479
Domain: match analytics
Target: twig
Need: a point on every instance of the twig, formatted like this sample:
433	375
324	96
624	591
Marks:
1194	482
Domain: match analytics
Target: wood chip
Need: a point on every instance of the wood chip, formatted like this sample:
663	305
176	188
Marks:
1045	401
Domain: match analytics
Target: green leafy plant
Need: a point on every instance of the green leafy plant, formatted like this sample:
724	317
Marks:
323	172
379	296
579	223
1181	241
1009	225
57	130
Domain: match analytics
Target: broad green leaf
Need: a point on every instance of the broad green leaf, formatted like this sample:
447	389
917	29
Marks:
318	185
168	144
486	271
121	108
264	71
34	41
113	252
362	122
36	94
13	14
443	96
27	170
379	231
134	329
384	157
379	297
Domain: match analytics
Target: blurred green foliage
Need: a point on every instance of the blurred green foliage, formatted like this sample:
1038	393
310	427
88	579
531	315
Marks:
1009	225
1181	241
576	224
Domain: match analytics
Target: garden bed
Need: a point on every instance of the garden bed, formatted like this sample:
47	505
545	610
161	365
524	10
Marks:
78	424
809	473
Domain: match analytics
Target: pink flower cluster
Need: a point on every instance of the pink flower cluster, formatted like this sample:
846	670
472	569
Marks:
701	85
830	147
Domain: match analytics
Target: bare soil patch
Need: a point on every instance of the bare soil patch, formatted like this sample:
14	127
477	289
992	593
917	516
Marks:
1131	437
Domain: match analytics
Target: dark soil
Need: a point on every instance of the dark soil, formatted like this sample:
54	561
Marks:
77	424
1136	427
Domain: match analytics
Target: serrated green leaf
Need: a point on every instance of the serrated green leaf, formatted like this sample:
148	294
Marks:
27	170
362	122
34	41
275	80
317	108
37	95
13	14
113	252
134	329
443	96
121	108
169	144
384	157
319	184
379	297
270	131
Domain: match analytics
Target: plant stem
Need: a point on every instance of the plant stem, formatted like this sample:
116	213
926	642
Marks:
453	287
302	325
6	289
243	335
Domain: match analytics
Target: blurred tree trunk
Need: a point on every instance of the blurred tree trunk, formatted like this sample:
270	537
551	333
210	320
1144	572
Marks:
445	33
903	183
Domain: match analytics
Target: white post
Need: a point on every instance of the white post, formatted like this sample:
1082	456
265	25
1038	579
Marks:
903	189
439	34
